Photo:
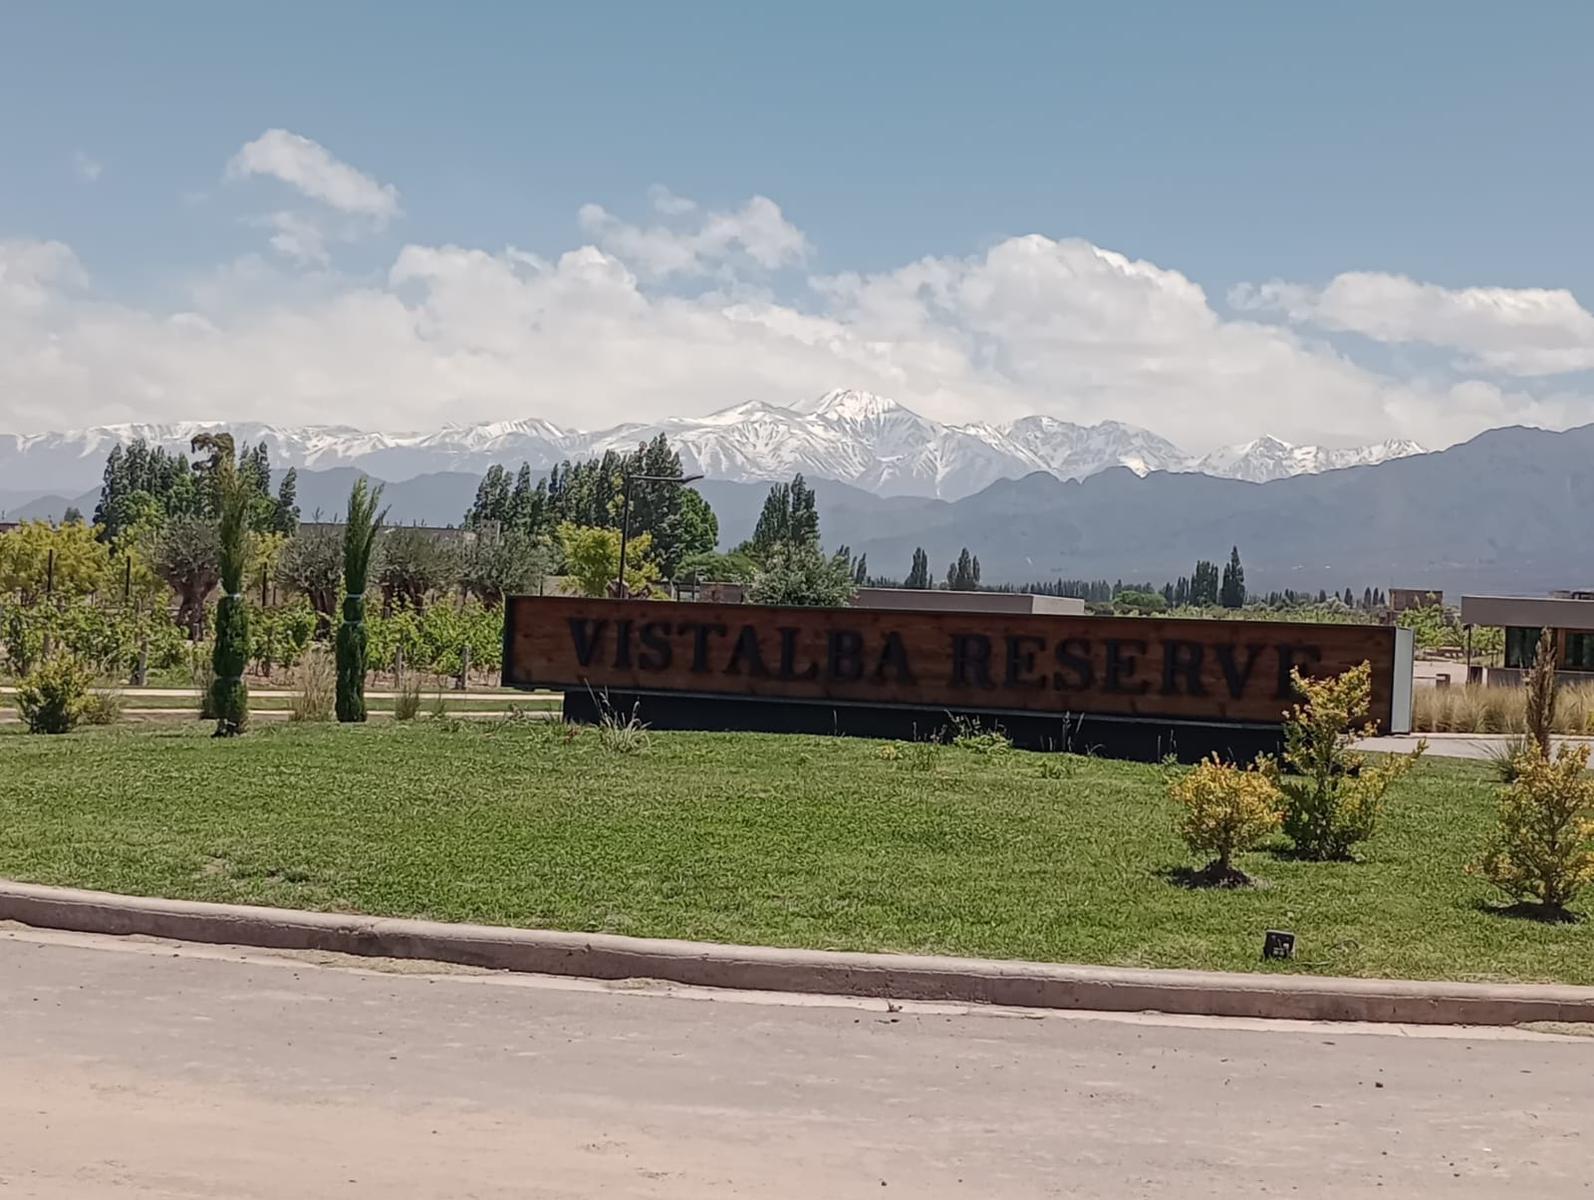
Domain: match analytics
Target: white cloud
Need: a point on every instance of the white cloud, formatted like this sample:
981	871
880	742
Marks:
1512	331
667	202
359	205
298	237
758	233
591	337
87	169
312	169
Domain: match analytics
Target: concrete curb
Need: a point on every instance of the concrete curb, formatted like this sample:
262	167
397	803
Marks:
760	968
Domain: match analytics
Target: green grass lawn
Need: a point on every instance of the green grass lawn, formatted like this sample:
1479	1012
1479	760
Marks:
793	841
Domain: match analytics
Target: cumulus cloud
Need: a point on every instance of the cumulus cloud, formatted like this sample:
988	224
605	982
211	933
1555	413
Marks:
312	169
758	233
1512	331
679	319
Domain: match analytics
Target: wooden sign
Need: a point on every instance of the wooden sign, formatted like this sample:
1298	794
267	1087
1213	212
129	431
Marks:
1224	671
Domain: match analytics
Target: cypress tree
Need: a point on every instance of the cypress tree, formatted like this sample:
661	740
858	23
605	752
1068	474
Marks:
1232	592
229	695
359	539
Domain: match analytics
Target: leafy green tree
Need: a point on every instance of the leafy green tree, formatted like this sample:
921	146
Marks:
66	560
504	563
592	560
492	500
919	575
360	531
413	563
311	564
789	519
711	567
964	573
1139	601
591	494
186	553
1204	584
1231	593
803	575
285	513
235	492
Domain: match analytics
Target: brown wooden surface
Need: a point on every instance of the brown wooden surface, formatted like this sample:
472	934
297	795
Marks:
1196	670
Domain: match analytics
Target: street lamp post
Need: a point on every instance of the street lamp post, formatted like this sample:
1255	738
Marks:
625	517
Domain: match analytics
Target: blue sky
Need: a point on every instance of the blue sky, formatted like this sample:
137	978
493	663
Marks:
1227	145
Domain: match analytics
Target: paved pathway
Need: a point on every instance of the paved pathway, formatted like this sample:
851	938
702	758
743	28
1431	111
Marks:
138	1069
1454	745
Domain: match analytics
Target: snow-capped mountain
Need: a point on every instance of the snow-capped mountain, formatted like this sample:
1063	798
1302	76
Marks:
1268	458
855	437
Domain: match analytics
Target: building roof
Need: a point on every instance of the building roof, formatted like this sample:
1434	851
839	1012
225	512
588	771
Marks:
1528	612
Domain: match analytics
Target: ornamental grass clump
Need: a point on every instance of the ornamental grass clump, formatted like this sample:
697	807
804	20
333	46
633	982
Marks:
1224	810
1334	797
1541	850
359	539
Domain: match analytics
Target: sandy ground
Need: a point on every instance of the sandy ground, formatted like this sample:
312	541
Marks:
141	1069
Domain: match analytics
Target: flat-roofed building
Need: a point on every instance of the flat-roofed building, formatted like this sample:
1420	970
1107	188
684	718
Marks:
1570	615
917	600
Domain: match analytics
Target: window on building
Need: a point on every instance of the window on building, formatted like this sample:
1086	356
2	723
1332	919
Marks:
1579	651
1520	645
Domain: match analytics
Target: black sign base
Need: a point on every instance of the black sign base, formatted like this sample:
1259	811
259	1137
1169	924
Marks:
1140	740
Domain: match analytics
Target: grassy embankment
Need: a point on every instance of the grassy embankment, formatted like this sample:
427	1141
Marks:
794	841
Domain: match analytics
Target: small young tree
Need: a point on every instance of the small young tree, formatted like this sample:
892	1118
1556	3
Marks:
1542	847
229	694
1224	810
1335	799
359	540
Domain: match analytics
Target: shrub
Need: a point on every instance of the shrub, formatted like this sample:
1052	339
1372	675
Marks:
102	708
52	698
315	688
1542	848
1224	810
1335	799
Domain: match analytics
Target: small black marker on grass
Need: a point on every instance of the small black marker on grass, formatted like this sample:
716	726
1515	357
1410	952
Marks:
1277	943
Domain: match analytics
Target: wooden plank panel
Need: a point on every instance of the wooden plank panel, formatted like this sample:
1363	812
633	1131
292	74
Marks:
1121	666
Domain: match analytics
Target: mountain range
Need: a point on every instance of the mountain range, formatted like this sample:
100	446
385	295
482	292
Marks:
851	437
1508	511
